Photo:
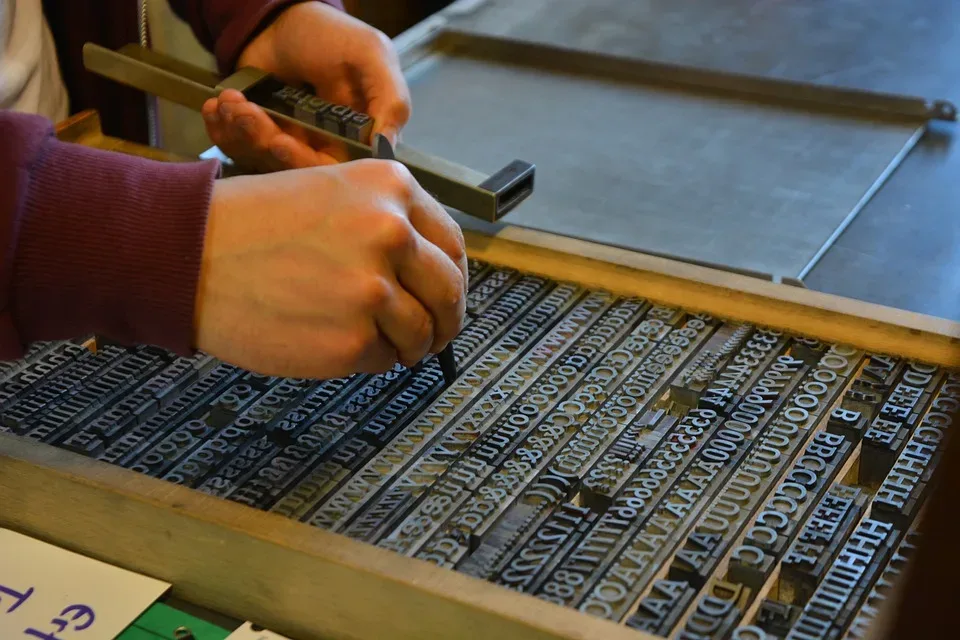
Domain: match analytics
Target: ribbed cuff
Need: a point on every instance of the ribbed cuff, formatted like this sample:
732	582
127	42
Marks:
111	244
240	31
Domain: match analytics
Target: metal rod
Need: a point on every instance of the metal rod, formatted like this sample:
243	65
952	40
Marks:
743	86
153	126
871	192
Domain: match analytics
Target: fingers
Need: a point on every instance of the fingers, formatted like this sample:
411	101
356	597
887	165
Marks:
401	328
436	226
386	90
436	282
294	154
295	144
424	245
431	263
406	325
337	351
378	356
302	351
247	134
241	129
390	120
231	118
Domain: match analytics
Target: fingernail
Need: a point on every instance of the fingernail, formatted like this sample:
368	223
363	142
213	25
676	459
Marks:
245	122
226	109
211	118
281	153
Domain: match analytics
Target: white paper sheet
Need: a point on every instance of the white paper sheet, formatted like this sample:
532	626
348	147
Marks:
50	593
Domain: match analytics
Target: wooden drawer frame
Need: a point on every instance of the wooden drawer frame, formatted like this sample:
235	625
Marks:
312	584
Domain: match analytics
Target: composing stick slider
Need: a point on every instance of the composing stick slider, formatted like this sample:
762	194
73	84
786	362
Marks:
383	150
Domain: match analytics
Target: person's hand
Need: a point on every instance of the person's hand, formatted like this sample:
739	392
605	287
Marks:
345	60
329	271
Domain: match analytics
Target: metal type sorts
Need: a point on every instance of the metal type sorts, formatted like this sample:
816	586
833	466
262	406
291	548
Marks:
811	554
41	363
902	492
366	411
843	587
899	413
507	472
45	397
881	590
331	509
536	402
664	469
629	574
728	595
636	497
722	523
780	519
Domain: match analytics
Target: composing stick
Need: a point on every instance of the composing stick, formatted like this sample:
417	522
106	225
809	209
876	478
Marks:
486	197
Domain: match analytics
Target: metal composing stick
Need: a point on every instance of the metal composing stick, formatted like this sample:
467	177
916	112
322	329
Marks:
486	197
383	150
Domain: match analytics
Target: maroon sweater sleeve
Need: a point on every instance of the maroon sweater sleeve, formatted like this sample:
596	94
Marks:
98	242
225	27
95	241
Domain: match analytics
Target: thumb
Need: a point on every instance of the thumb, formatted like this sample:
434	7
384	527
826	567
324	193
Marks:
387	94
389	118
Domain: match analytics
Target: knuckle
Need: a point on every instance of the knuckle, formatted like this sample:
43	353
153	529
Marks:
378	40
388	177
373	292
458	247
402	108
456	290
396	232
454	297
397	177
451	301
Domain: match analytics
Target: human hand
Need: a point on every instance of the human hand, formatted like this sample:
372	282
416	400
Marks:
345	60
329	271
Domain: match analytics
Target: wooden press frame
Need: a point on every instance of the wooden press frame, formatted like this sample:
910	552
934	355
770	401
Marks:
312	584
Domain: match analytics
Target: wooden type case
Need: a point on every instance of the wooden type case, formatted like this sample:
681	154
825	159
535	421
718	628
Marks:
312	584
